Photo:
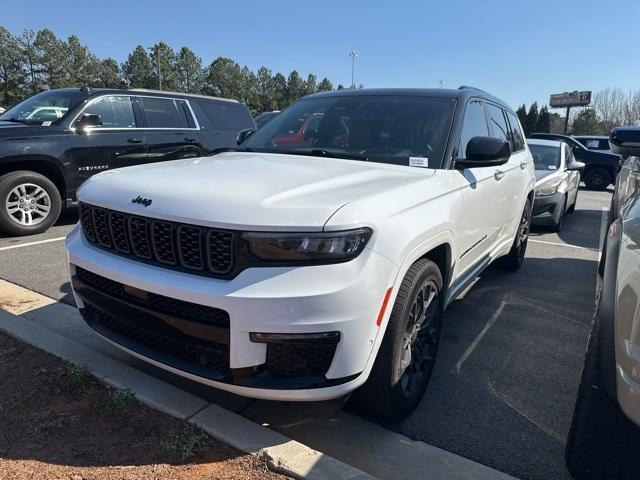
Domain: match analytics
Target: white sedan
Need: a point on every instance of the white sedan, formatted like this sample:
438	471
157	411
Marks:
557	182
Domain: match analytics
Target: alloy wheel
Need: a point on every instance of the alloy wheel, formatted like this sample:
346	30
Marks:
420	341
28	204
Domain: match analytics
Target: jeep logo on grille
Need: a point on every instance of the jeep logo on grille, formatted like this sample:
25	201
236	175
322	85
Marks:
143	201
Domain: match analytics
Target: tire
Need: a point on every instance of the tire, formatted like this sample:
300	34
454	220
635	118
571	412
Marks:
559	222
602	441
514	259
597	179
393	389
33	191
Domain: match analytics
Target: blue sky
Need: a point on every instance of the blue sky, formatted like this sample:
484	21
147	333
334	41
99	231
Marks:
518	50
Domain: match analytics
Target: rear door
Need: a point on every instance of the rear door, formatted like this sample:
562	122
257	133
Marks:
171	130
118	142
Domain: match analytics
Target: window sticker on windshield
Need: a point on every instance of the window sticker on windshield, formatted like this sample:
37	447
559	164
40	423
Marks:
552	167
418	162
46	124
593	144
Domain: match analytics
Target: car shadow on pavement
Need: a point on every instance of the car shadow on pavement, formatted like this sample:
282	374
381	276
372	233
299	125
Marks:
581	229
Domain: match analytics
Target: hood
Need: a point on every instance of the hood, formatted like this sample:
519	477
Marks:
540	174
15	128
241	190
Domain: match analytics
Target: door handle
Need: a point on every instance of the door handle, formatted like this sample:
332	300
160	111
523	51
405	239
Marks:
189	139
523	164
498	174
134	140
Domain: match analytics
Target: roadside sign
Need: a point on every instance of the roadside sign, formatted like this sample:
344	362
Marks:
570	99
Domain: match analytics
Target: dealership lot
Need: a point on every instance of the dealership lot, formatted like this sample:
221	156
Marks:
509	363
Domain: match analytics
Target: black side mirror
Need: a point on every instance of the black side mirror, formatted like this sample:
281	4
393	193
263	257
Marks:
89	120
625	141
485	152
244	134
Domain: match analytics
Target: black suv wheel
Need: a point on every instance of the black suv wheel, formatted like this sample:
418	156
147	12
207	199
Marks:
597	179
29	203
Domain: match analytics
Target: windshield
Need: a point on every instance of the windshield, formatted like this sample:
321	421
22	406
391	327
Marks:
386	129
44	107
545	157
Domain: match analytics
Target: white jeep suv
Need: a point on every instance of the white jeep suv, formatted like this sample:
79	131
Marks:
303	266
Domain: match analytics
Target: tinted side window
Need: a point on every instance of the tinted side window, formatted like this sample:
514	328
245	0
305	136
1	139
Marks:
474	124
498	123
161	112
115	111
227	115
517	138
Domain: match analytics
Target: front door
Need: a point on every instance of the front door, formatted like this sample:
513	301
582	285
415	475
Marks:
481	196
116	143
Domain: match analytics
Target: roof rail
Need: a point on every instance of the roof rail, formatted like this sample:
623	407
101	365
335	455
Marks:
168	92
469	87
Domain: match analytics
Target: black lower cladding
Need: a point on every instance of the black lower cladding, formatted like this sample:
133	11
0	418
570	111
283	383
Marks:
194	338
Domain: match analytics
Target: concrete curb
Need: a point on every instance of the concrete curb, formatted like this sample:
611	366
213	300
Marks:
280	452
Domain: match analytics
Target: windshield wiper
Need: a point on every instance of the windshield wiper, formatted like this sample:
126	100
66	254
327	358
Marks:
319	152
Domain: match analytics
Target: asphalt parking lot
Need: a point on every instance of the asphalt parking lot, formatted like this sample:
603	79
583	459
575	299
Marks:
511	354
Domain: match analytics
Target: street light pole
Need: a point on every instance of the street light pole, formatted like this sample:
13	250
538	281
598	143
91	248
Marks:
353	56
156	50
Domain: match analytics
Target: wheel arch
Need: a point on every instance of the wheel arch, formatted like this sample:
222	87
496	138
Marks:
607	310
43	165
441	256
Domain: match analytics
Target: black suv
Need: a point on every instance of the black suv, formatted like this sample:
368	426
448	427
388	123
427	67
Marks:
53	141
601	168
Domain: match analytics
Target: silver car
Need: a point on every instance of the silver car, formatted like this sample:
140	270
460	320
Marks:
557	182
604	440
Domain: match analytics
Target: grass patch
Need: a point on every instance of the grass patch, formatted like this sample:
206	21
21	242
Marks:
76	379
188	444
116	402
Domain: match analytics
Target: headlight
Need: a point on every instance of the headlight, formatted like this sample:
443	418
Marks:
548	188
323	247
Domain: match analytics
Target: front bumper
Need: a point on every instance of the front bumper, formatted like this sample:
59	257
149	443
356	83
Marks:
340	300
544	208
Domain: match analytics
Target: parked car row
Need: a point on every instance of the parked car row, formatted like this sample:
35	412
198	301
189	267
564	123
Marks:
53	141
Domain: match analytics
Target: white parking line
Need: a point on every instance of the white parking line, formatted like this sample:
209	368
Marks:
558	244
29	244
472	347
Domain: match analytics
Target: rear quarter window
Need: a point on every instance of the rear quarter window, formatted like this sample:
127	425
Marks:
226	115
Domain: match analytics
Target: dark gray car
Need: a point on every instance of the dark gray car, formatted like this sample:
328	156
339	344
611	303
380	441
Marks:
604	440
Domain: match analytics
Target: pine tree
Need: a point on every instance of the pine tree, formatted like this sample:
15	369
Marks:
137	69
531	119
12	76
164	58
189	71
544	121
325	85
